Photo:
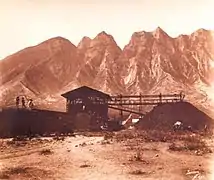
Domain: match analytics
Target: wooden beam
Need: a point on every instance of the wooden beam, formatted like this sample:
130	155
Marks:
126	110
149	96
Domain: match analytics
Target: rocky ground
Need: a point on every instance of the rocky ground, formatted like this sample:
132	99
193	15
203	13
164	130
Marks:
124	155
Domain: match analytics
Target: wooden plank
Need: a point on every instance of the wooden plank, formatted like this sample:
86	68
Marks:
147	96
144	101
126	110
126	104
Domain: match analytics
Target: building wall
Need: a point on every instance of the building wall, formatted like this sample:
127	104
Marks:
19	122
98	114
89	106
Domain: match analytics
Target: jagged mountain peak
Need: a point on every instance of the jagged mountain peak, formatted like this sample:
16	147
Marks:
201	30
103	40
150	61
50	43
85	39
140	34
57	41
159	30
140	37
104	37
145	36
84	43
103	34
160	33
201	33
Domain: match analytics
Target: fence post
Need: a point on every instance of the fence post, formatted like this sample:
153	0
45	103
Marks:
121	112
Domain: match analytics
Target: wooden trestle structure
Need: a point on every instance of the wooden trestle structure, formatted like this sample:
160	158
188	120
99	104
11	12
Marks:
123	103
96	103
90	101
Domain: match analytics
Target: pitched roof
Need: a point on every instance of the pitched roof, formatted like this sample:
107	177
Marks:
84	91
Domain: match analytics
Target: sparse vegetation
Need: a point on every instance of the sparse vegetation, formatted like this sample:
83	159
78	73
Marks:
156	136
83	144
142	154
190	144
19	138
29	172
146	136
12	171
175	147
20	141
138	156
46	152
138	172
84	166
108	136
105	142
59	138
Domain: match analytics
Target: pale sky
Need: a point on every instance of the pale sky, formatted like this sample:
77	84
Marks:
28	22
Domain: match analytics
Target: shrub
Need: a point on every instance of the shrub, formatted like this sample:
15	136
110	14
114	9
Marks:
138	172
46	152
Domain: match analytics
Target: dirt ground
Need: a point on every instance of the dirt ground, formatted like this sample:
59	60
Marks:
100	157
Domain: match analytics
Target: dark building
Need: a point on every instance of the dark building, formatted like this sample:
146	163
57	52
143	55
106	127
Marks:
85	100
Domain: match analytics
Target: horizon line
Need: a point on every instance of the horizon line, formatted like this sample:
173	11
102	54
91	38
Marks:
76	44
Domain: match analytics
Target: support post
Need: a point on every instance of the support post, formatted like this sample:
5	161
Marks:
140	106
160	98
67	105
121	111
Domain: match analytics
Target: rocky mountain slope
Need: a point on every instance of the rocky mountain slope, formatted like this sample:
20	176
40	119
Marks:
152	62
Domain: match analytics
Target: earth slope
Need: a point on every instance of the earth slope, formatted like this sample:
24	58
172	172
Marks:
152	62
164	116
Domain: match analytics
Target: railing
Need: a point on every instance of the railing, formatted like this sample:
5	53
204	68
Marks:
146	99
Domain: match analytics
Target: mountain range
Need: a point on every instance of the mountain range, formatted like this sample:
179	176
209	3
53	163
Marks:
152	62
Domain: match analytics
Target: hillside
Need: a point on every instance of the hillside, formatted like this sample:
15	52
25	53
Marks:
152	62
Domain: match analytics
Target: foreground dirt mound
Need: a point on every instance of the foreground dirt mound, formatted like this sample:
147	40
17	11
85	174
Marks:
165	115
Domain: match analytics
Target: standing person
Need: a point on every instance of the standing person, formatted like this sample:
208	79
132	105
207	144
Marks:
17	102
30	104
23	102
182	96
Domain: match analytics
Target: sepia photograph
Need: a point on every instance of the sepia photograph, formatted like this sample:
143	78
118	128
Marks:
106	90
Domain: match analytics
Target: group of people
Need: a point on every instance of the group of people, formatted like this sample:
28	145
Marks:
21	101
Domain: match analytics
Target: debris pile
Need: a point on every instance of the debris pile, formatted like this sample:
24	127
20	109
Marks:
164	116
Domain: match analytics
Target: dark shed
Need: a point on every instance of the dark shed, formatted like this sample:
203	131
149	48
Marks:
88	100
83	92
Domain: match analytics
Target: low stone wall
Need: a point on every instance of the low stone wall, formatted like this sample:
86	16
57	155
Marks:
15	122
